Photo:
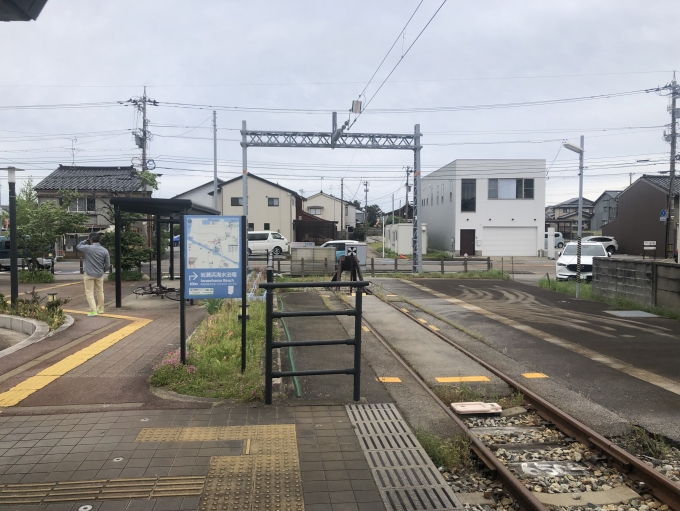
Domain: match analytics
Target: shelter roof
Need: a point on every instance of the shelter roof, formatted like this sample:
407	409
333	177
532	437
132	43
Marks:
161	207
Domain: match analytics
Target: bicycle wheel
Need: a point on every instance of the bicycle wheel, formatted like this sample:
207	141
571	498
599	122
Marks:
144	290
172	295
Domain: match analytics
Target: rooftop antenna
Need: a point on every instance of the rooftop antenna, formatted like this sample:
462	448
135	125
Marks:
73	151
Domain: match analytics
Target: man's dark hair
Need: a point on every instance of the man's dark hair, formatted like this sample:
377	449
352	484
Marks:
95	237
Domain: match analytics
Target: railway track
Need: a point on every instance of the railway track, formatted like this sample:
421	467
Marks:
547	447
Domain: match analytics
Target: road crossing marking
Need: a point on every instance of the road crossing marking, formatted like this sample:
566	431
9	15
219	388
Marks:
389	379
614	363
460	379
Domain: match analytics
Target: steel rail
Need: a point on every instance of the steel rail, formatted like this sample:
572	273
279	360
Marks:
511	484
663	488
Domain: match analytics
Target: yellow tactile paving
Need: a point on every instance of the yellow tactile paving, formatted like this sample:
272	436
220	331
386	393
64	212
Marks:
18	393
389	379
459	379
535	375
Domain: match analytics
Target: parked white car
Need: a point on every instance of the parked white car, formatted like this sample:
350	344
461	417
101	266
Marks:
263	241
559	240
565	266
609	243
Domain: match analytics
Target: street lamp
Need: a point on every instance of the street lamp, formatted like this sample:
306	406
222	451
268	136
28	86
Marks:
580	151
13	251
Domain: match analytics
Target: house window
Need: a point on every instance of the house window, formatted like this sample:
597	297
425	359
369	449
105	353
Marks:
82	205
266	227
468	198
237	201
272	201
315	210
511	189
251	227
346	210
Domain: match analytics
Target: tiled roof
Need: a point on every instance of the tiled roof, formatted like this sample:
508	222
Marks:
663	182
113	179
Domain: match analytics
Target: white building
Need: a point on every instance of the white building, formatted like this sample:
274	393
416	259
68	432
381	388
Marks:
399	238
202	195
271	207
330	208
486	207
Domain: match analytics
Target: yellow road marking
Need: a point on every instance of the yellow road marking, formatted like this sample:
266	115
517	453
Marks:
389	379
365	328
51	287
458	379
614	363
434	328
18	393
117	316
422	320
392	296
534	375
405	310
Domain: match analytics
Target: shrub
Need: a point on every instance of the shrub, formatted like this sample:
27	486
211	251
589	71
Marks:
52	313
36	277
127	275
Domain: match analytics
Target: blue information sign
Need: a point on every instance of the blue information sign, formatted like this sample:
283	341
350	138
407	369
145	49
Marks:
212	251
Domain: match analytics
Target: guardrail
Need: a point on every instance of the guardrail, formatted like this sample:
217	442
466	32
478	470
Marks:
270	286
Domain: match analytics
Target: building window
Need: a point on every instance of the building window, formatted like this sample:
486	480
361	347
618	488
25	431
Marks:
272	201
251	227
237	201
468	198
511	189
315	210
266	227
82	205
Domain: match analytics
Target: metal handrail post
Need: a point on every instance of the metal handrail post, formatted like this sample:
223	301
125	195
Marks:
269	301
357	344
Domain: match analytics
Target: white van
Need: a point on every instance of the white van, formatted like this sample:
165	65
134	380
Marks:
263	241
559	240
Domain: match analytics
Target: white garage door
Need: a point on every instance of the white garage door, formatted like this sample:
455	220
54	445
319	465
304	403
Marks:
509	241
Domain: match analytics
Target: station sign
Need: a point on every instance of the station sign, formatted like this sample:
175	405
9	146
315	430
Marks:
212	250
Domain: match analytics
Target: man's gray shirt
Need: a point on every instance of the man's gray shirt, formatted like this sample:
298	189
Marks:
97	259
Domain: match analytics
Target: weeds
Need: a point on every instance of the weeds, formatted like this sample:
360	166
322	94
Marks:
213	305
464	393
36	277
586	293
450	453
642	442
51	313
214	357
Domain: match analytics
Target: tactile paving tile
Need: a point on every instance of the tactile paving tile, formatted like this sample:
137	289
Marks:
405	476
265	482
103	489
276	436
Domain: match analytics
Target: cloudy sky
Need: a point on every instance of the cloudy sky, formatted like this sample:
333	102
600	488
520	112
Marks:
296	61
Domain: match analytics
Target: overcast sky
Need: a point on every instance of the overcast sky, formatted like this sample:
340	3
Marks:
319	55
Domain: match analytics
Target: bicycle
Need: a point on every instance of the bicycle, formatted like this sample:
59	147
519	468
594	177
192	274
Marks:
153	289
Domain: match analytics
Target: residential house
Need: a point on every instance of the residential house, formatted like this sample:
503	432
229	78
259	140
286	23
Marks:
271	207
602	207
485	207
96	186
565	217
203	194
330	208
637	215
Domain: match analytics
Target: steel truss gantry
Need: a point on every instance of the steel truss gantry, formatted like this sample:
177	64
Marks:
338	139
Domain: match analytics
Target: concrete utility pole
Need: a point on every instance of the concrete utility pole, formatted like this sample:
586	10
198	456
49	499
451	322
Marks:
366	206
149	231
408	171
417	230
215	160
392	209
342	203
670	222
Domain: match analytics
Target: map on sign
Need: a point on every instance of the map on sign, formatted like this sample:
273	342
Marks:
212	256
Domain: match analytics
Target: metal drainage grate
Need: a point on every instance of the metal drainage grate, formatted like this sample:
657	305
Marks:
406	477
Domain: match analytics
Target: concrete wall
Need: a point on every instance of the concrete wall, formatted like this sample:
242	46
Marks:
646	282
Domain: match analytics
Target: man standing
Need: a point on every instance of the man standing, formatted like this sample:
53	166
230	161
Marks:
97	261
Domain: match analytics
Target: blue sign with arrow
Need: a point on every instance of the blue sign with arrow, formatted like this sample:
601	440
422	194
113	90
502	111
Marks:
212	251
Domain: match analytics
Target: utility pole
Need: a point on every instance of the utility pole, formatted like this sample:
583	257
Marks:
408	171
631	179
215	160
342	203
392	209
670	222
366	206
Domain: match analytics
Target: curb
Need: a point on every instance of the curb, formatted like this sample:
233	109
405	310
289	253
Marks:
39	330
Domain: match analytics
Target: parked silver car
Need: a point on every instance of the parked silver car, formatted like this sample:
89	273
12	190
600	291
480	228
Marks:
609	243
565	266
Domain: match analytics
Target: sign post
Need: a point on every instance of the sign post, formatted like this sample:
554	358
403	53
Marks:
212	260
650	245
663	216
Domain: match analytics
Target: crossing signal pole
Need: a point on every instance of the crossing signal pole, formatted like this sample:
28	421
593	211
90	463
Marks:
408	171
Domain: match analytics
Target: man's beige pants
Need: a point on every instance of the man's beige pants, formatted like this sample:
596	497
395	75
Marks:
94	285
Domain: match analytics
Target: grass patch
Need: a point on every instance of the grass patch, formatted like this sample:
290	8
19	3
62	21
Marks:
642	442
128	275
51	313
436	254
450	453
36	277
464	393
214	357
569	288
378	247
